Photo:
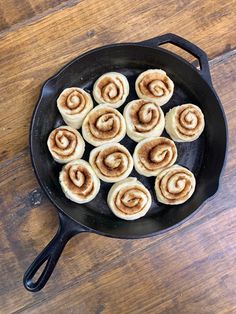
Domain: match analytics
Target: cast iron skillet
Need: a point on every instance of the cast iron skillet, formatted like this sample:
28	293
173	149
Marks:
205	156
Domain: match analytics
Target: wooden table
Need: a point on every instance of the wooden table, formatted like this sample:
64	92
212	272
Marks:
191	269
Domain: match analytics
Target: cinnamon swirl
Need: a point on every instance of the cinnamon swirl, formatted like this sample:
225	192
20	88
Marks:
103	125
174	185
111	162
184	123
152	155
154	85
129	199
111	89
74	104
79	182
143	119
65	144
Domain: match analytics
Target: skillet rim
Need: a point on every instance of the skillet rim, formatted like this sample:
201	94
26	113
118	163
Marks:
209	195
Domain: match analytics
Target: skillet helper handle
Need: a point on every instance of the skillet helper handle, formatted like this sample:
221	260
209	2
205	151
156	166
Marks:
186	45
50	254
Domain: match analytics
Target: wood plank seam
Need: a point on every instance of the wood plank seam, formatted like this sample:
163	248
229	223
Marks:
38	17
222	57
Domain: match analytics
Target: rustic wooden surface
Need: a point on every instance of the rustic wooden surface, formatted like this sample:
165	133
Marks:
188	270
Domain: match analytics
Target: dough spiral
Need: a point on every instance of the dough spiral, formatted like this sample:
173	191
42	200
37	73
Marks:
79	182
74	104
111	162
143	119
103	125
65	144
174	185
152	155
185	123
112	89
129	199
154	85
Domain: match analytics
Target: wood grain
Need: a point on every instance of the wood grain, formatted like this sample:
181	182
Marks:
157	279
188	270
90	258
15	12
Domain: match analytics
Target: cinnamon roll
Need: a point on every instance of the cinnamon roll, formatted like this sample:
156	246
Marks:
65	144
103	125
111	89
129	199
74	104
184	123
154	154
154	85
174	185
79	182
111	162
143	119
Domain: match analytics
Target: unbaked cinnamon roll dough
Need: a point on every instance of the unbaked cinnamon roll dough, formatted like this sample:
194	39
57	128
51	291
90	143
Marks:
111	89
111	162
103	125
129	199
65	144
154	154
154	85
74	103
79	182
174	185
184	123
143	119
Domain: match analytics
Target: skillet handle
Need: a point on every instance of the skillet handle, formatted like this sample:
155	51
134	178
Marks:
186	45
50	254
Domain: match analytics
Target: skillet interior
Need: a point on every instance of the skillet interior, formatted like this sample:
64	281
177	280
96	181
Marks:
205	156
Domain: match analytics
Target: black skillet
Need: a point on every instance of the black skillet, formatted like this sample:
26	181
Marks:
205	156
